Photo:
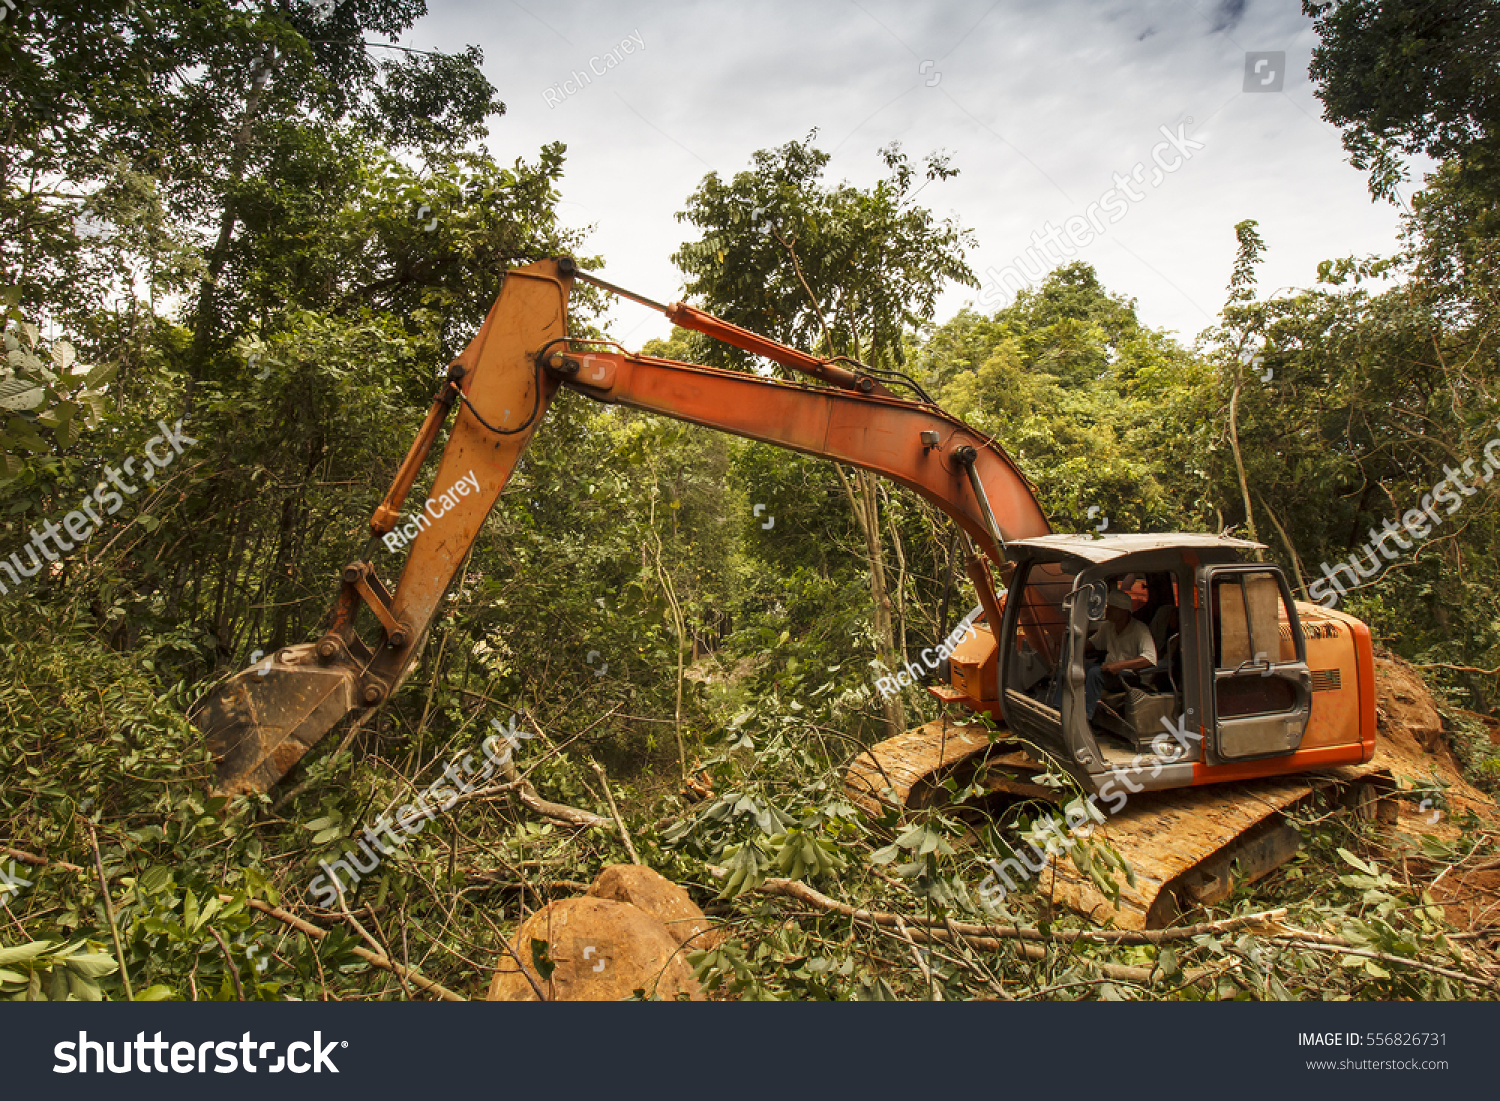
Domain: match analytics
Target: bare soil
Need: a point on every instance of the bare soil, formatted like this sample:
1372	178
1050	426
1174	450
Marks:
1412	745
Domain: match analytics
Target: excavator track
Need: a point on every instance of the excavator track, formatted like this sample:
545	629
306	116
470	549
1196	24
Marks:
1187	847
909	769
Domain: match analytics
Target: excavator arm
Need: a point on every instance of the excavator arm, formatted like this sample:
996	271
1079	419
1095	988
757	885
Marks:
262	720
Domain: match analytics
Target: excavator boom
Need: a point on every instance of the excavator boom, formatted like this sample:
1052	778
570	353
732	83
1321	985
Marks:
262	720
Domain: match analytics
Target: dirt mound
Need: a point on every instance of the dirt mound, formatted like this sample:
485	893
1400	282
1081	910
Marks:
1492	725
1412	746
1410	739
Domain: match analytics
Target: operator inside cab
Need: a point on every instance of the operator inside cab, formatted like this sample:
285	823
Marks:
1125	644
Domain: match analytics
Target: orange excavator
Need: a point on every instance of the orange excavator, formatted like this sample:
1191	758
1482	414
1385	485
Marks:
1248	687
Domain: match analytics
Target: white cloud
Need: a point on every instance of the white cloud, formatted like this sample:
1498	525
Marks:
1038	104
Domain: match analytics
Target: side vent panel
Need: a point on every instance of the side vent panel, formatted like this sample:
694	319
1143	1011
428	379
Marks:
1326	680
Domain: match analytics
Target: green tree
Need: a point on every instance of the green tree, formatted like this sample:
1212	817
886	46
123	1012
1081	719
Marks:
1408	78
1073	385
835	268
154	134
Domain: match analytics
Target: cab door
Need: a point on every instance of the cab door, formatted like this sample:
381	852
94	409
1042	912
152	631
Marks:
1261	696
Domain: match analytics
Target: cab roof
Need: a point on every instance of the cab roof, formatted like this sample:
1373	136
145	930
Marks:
1106	548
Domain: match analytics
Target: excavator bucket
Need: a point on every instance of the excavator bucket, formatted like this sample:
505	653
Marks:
262	720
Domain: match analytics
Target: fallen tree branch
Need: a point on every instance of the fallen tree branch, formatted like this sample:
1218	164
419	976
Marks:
1266	919
109	912
375	946
41	861
1120	972
609	797
1142	976
992	936
374	958
1460	668
1344	948
527	795
937	995
557	811
506	878
529	798
234	972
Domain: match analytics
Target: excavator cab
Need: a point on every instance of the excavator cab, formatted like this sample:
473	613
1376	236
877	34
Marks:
1247	686
1230	681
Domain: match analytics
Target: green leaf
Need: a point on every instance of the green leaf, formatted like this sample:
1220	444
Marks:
57	416
96	405
1166	962
84	989
22	434
543	962
68	434
23	952
92	965
157	993
912	837
100	375
154	881
18	394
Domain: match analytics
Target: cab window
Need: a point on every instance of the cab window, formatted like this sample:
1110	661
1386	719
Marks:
1250	636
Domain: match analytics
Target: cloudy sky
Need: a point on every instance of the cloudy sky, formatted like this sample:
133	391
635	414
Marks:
1040	105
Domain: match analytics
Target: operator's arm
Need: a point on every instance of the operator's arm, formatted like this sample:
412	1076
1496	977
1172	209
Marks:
1135	639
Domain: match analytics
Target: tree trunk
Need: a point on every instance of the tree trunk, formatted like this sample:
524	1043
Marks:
206	316
866	506
1239	465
